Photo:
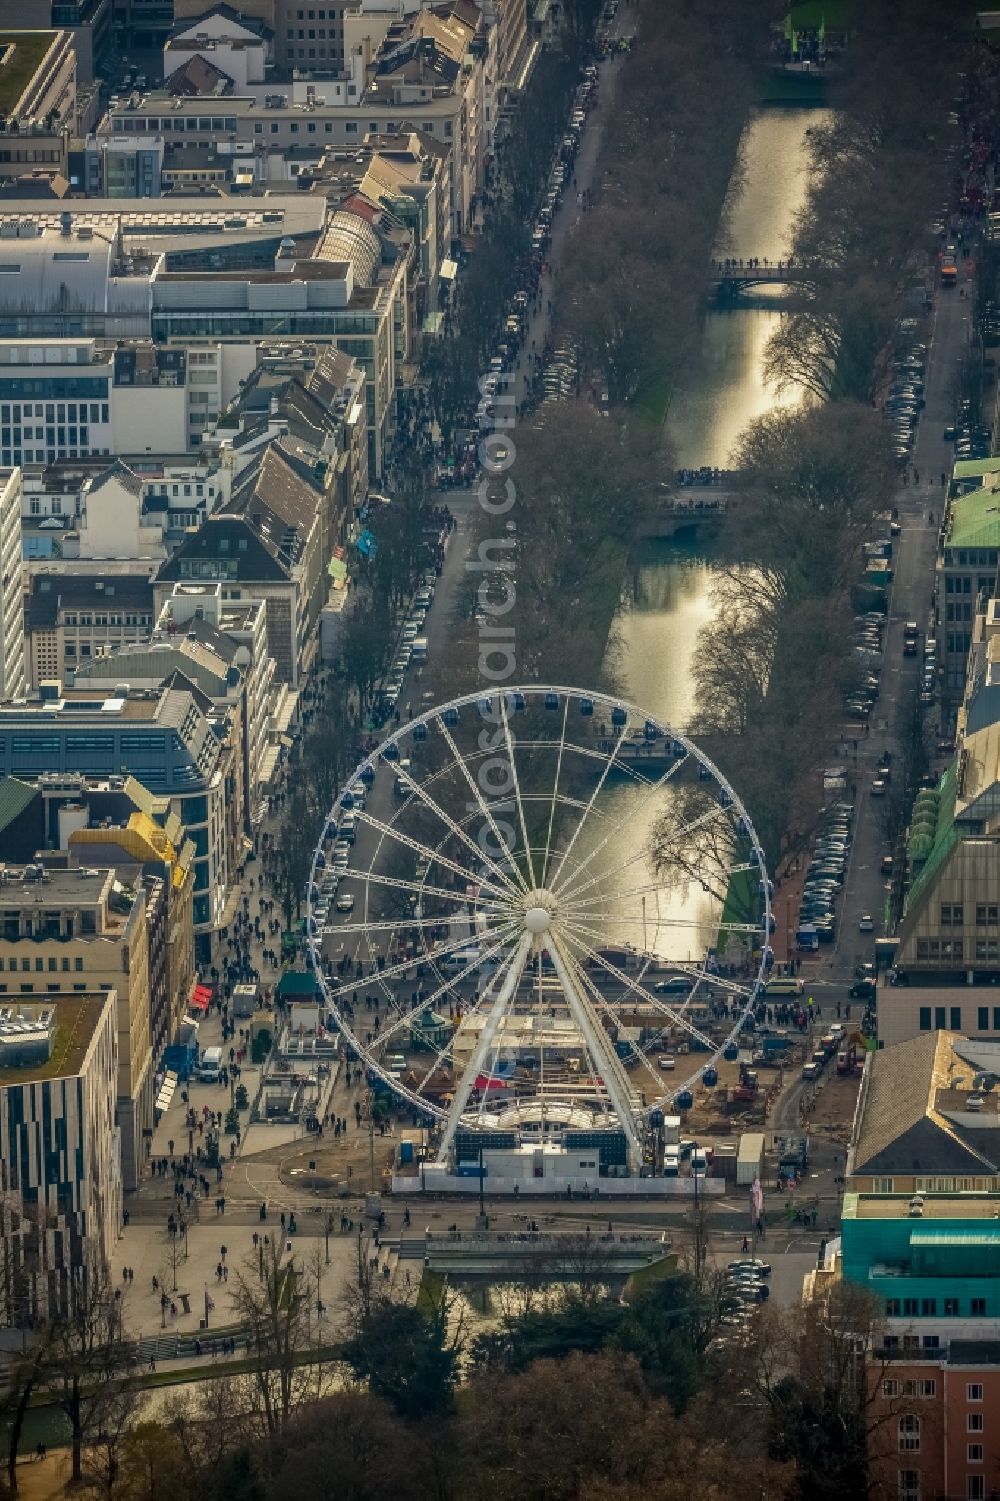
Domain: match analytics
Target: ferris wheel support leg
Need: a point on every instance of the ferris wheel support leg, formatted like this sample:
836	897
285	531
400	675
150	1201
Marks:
470	1074
601	1049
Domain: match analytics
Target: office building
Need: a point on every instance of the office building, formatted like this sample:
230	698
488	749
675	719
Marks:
173	740
267	543
66	932
59	1148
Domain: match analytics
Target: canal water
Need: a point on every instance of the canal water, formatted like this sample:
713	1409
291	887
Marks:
667	601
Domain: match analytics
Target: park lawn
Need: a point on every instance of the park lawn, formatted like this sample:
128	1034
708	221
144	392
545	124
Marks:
809	15
639	1281
653	399
432	1286
740	901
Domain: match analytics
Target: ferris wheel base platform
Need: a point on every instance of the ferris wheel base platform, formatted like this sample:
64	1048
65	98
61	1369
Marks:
435	1178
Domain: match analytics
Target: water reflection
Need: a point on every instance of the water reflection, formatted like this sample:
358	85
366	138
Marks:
667	601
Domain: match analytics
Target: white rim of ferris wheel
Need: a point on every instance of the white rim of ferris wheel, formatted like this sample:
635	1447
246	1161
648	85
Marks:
549	903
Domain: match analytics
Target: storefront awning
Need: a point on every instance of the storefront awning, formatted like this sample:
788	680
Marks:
166	1093
201	997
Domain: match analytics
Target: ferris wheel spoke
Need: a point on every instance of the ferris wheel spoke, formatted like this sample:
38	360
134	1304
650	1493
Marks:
555	792
390	830
427	957
389	925
516	782
609	761
481	802
572	892
456	829
648	792
646	996
503	995
605	1005
696	973
403	883
447	988
631	919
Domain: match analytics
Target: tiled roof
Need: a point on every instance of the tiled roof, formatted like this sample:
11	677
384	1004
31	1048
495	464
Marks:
904	1123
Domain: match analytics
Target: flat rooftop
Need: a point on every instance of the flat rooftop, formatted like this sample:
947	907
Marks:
936	1207
76	1020
64	888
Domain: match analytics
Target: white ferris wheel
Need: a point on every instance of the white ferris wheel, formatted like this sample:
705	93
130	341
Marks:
522	901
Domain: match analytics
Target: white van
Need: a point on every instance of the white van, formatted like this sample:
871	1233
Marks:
418	649
210	1066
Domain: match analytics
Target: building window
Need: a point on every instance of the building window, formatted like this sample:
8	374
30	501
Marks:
977	1309
911	1308
987	915
925	1018
882	1185
928	1308
909	1433
892	1308
974	1422
951	1308
908	1488
952	915
974	1453
956	1018
975	1487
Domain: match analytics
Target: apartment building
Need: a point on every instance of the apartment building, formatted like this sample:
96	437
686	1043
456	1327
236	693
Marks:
73	618
966	568
13	675
59	1147
176	493
173	740
220	646
195	281
947	960
66	932
426	70
162	858
930	1419
71	398
237	47
267	544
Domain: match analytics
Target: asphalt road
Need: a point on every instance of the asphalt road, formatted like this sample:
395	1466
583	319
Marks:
865	888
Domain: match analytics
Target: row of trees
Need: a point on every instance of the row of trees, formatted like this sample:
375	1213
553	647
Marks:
879	173
772	668
571	1396
639	264
496	270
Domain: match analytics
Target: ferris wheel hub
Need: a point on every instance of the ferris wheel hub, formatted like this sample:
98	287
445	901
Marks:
539	909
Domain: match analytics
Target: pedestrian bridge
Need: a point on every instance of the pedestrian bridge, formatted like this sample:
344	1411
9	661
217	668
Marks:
689	509
739	284
479	1254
